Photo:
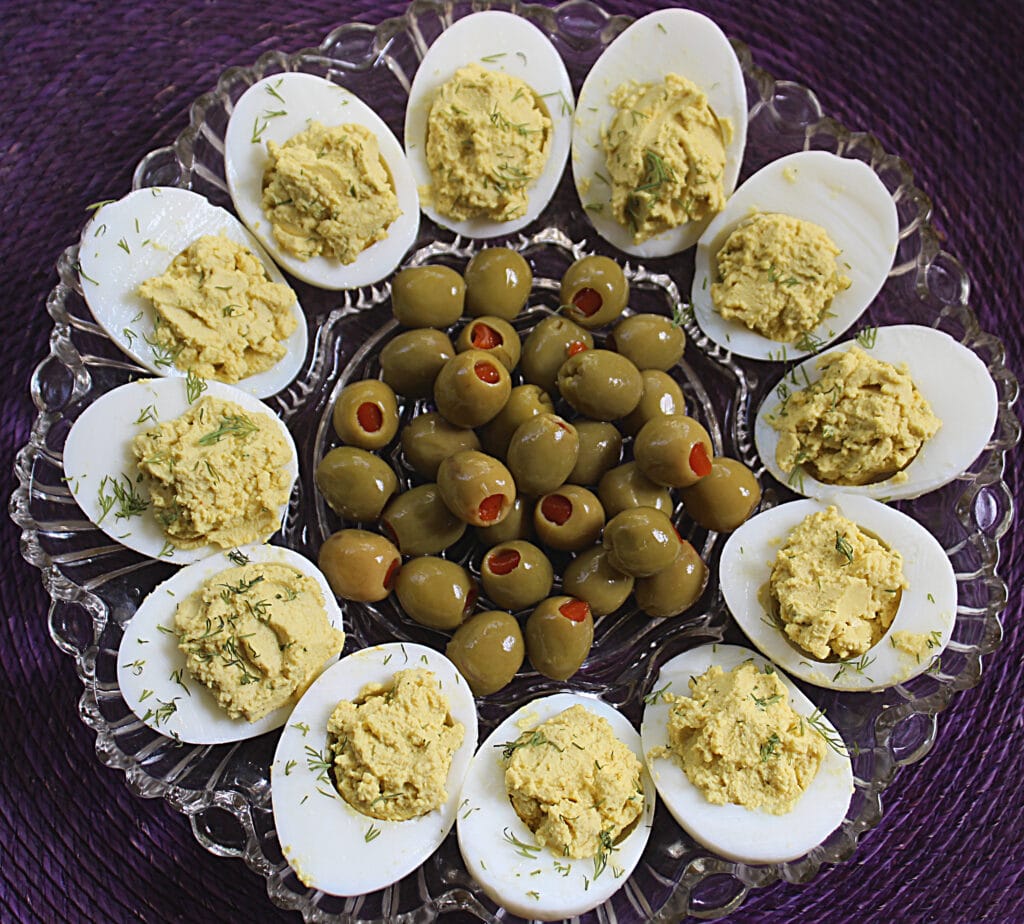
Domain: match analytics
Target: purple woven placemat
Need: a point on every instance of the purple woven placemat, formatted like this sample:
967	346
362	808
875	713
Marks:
90	87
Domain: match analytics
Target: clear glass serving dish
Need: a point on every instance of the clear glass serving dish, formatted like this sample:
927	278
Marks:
96	585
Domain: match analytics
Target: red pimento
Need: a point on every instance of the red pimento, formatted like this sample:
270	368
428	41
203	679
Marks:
392	573
370	417
557	508
486	338
490	507
577	346
700	464
504	562
588	301
487	373
470	600
575	610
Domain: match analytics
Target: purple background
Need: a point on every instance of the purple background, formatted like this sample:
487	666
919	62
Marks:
90	87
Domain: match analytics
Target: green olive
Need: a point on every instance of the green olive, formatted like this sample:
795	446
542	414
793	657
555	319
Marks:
359	565
600	449
724	498
594	291
625	486
429	438
676	588
673	450
641	541
487	649
355	483
590	577
524	402
410	361
491	335
517	525
477	488
516	574
661	395
471	388
498	282
549	345
651	341
568	519
420	522
427	296
600	384
366	414
541	454
435	592
559	634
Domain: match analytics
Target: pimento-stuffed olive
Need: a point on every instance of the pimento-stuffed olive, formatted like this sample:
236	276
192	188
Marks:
410	361
594	291
568	519
625	486
559	634
420	522
600	449
471	388
549	345
676	588
359	565
498	282
541	453
641	541
517	525
428	439
524	402
355	483
591	577
674	450
651	341
724	498
435	592
487	649
428	296
600	384
516	574
477	488
366	414
661	395
491	335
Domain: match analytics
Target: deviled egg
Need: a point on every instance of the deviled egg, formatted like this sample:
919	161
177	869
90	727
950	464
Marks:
951	378
488	124
503	854
135	239
842	197
919	631
358	197
731	830
659	135
152	670
332	846
103	472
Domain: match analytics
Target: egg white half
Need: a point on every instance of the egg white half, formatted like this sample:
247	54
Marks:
843	196
535	883
328	843
99	446
151	668
667	41
497	41
128	241
952	378
278	108
927	606
734	831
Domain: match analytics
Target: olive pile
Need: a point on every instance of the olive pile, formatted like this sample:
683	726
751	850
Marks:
499	457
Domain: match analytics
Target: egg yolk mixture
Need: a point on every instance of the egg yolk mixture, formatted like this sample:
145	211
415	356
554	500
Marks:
834	588
327	192
393	747
216	474
739	741
574	784
665	154
256	635
488	139
777	275
861	422
217	313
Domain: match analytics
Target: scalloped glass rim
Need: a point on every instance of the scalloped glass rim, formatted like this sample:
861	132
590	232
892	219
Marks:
228	807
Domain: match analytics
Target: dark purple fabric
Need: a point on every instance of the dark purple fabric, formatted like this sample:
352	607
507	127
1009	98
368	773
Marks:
89	87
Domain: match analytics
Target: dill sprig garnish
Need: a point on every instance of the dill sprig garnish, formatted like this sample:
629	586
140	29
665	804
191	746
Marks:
651	698
844	547
129	502
236	425
239	558
867	337
163	712
763	702
604	850
831	738
535	739
195	385
318	763
529	851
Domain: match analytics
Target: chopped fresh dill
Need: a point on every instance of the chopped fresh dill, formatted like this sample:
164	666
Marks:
768	748
844	547
195	385
651	698
867	337
529	851
122	493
